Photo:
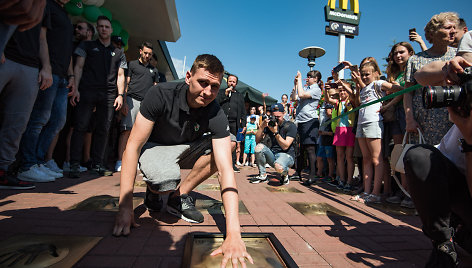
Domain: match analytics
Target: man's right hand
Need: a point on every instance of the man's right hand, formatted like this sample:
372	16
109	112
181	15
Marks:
228	90
74	99
124	221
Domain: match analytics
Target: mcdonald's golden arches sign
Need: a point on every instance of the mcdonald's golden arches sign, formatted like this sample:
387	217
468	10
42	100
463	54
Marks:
342	13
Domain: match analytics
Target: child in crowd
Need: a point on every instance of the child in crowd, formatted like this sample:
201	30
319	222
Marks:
325	141
344	137
370	127
250	140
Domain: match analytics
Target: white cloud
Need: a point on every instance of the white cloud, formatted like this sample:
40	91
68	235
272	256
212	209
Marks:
178	65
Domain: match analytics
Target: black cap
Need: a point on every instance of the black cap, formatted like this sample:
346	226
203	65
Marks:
117	39
278	107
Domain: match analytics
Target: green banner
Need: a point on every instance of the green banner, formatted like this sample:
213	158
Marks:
391	96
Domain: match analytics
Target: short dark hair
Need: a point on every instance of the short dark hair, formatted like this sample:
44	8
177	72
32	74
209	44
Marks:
146	44
103	18
462	23
209	62
233	75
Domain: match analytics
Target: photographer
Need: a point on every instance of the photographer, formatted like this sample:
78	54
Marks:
280	152
440	178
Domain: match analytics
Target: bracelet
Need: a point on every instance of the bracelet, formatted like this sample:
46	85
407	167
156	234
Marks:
276	133
70	75
121	94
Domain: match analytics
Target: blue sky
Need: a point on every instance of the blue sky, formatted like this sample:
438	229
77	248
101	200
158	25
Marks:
259	40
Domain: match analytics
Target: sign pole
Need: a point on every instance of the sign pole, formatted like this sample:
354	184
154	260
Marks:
342	48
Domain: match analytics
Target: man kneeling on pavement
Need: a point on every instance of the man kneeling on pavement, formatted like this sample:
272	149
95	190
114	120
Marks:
170	133
275	146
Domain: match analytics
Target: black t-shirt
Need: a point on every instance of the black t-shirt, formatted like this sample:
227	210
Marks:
174	121
23	47
326	140
101	65
59	38
287	129
141	79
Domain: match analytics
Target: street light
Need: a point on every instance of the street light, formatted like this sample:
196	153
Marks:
311	53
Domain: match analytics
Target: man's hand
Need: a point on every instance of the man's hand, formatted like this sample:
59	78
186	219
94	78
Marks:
118	102
233	249
228	90
24	13
124	109
124	221
71	86
75	98
44	79
453	67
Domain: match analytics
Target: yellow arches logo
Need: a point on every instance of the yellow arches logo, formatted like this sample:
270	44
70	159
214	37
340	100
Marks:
343	5
342	13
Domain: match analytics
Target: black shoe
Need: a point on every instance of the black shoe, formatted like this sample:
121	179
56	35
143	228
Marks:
74	171
8	181
443	255
236	169
183	207
284	180
152	201
309	182
101	170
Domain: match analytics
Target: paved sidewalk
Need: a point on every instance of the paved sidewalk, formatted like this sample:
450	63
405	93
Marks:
364	237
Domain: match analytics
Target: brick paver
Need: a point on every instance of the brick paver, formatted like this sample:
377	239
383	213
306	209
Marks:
366	237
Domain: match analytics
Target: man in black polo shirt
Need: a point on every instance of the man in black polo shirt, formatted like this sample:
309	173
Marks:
141	76
100	71
279	152
232	103
168	135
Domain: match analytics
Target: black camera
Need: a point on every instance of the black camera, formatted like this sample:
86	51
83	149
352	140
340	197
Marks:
272	120
457	96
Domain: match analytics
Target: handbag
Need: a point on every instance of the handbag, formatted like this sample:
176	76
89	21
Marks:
398	153
396	158
389	115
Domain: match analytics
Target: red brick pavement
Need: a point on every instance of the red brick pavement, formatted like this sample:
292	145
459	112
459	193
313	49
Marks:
366	237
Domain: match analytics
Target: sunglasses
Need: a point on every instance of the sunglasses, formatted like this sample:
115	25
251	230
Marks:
79	27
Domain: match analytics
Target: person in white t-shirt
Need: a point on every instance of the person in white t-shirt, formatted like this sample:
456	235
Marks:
370	127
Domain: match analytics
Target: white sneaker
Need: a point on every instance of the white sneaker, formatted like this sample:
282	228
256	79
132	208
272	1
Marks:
246	164
51	164
66	167
118	166
49	172
267	166
285	180
238	163
34	174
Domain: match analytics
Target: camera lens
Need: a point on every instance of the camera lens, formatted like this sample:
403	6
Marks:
437	97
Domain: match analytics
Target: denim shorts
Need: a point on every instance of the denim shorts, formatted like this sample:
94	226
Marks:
266	156
325	151
371	130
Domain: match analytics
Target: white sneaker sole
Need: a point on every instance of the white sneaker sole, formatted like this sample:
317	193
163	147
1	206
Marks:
24	178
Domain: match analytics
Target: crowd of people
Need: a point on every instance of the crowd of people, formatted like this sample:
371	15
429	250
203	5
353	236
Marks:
59	83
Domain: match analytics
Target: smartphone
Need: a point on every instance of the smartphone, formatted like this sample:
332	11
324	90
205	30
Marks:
333	85
354	68
338	68
410	31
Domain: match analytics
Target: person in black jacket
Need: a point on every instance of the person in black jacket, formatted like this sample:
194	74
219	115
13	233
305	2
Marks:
232	103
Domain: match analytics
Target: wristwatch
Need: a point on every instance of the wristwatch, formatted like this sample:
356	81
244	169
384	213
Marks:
276	133
121	94
466	148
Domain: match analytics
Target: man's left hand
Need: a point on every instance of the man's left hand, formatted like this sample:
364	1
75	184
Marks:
118	102
233	249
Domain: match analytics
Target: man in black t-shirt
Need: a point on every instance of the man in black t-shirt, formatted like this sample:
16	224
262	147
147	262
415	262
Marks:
281	152
99	74
179	125
141	76
26	62
232	103
50	109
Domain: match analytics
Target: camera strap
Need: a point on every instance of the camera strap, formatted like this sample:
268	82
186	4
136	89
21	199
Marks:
391	96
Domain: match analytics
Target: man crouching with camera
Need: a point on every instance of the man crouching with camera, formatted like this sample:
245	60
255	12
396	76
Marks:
277	148
440	177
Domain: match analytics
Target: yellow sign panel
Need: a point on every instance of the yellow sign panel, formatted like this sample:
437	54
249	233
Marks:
343	5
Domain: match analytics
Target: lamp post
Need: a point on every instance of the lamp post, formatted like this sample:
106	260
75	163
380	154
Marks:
311	53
